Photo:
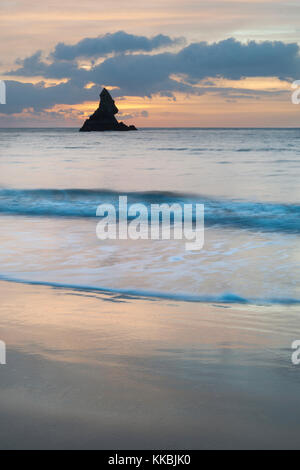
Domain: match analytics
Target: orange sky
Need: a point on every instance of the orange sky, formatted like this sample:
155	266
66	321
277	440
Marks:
27	26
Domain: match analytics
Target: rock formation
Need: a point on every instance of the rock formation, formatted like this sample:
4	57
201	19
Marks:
103	118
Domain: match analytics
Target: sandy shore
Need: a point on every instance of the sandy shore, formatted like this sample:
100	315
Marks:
89	370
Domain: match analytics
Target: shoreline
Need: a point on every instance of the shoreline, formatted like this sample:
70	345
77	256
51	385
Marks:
146	295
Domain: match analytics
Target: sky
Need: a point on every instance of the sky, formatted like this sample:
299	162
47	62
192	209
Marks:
171	63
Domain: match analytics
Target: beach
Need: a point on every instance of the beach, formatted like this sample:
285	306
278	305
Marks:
90	370
134	343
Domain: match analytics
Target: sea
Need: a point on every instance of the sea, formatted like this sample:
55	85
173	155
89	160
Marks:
53	180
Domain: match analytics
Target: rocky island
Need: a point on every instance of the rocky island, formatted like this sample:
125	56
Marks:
103	118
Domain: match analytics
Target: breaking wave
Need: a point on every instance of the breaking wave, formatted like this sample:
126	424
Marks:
260	216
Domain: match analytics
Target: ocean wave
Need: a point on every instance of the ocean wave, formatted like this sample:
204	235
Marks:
225	298
261	216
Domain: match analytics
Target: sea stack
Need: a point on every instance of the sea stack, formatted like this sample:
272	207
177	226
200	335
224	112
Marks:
103	118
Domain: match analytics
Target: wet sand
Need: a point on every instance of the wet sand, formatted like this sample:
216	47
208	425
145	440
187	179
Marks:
107	371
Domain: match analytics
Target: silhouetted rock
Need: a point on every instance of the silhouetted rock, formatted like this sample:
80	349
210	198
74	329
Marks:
103	118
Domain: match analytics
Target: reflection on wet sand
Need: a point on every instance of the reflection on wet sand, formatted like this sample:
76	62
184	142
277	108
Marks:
96	370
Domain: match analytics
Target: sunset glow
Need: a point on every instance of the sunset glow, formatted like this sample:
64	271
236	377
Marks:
173	97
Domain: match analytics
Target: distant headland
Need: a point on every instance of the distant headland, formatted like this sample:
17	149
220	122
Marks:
103	118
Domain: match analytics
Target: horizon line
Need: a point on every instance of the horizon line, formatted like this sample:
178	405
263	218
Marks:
158	127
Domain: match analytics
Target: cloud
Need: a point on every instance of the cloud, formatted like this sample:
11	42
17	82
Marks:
34	66
234	60
117	43
229	59
125	116
144	74
20	96
138	75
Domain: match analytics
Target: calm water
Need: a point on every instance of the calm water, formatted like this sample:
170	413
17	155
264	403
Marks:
51	182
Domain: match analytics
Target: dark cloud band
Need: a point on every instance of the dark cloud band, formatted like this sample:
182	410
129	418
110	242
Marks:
145	74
